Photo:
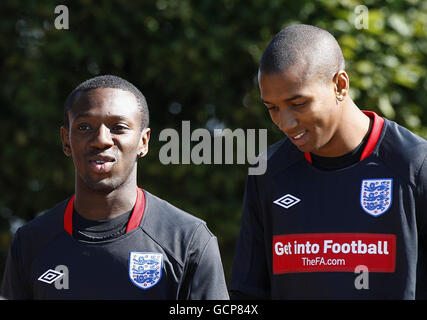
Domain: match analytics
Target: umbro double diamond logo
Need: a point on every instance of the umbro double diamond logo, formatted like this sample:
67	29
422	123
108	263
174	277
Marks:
50	276
59	276
287	201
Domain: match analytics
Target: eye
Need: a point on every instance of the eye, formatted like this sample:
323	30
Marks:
120	127
299	104
84	127
272	108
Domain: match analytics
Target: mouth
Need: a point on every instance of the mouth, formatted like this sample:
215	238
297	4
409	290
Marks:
101	164
299	139
298	136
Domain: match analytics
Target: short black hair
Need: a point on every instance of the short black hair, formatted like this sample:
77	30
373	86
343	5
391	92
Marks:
300	44
108	81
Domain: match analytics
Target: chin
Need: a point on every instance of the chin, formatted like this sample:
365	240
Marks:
104	186
306	148
101	188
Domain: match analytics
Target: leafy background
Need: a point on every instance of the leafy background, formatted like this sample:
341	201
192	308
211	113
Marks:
193	60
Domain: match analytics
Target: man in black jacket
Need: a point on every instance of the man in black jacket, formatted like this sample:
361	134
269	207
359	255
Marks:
344	191
112	239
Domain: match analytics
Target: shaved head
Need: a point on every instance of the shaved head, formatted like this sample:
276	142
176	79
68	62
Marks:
308	47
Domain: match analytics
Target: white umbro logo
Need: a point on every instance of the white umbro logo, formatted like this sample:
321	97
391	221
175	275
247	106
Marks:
50	276
287	201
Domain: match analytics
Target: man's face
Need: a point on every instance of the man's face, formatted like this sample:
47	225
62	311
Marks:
304	110
104	138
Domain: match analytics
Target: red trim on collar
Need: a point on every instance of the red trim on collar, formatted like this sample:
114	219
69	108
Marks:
377	127
68	216
134	221
138	211
308	156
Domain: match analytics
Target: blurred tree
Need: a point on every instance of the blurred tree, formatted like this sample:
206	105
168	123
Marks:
194	60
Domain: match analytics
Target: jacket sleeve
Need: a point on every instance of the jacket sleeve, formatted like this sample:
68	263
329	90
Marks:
250	276
14	285
204	274
421	198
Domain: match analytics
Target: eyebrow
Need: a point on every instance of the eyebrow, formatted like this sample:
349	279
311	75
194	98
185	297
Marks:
297	96
90	115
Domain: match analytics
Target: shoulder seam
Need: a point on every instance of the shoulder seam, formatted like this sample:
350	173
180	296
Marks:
181	263
403	178
419	170
419	196
191	240
200	257
186	252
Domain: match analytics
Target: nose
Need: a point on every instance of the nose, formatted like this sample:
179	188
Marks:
102	138
287	120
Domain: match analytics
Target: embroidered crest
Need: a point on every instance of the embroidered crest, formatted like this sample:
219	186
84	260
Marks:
376	196
145	268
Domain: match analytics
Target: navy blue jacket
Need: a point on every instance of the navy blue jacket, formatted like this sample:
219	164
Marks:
354	233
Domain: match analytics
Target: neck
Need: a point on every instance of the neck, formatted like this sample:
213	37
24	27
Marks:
100	205
352	128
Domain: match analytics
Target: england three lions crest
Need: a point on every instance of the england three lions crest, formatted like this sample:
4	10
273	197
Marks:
145	268
376	195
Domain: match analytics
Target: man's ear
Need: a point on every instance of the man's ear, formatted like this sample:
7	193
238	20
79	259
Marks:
143	142
342	84
65	138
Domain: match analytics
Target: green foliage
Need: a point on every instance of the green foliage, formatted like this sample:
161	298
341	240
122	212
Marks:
199	55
